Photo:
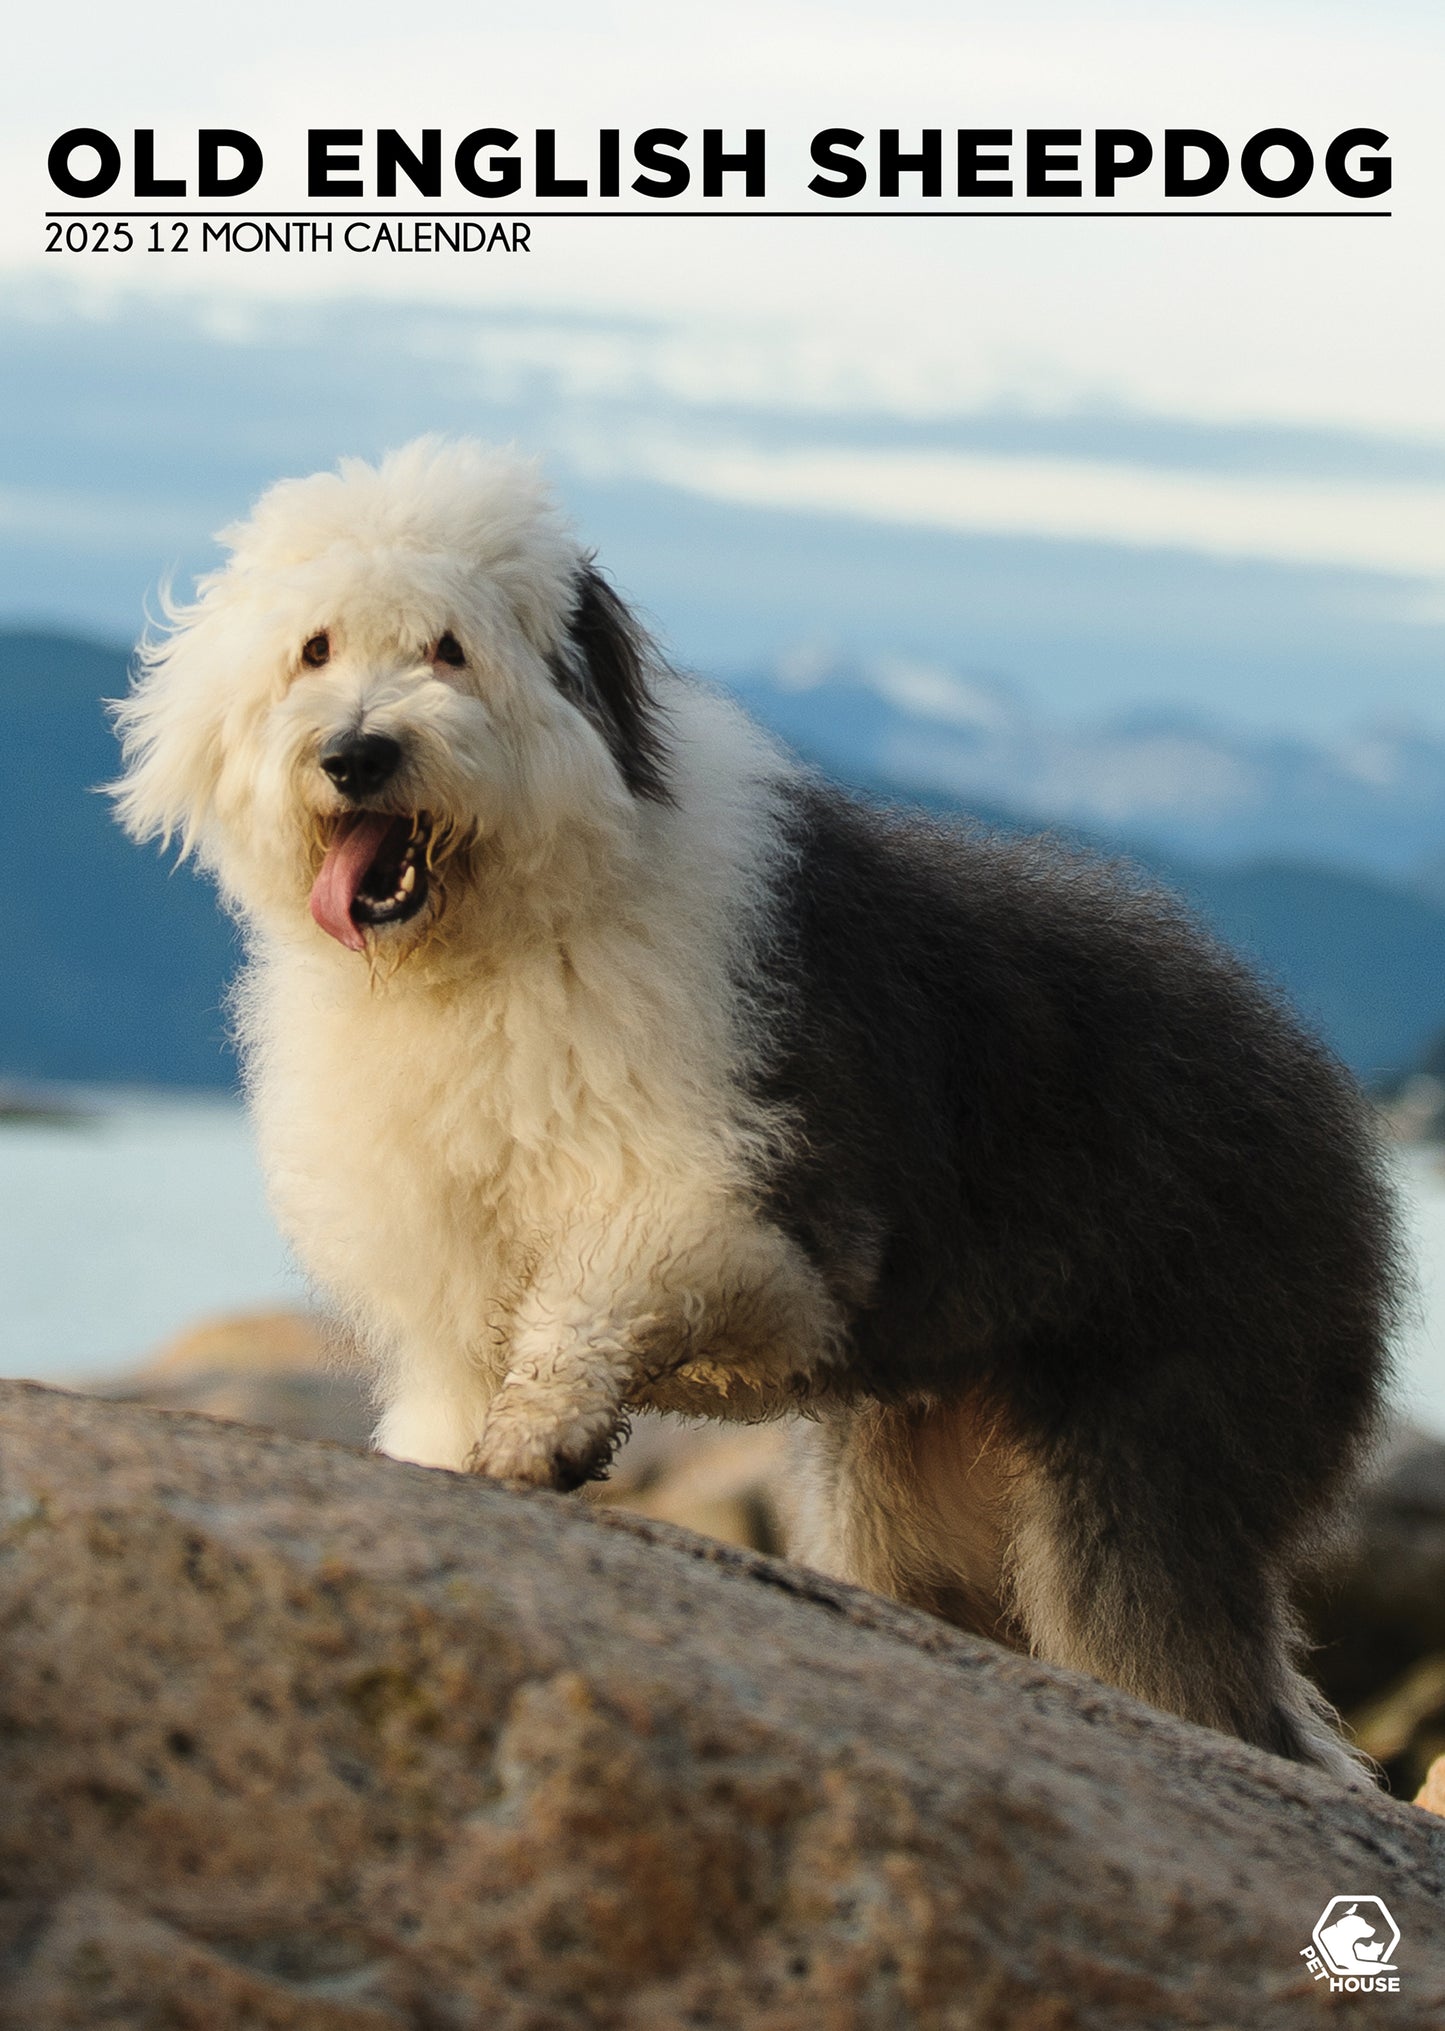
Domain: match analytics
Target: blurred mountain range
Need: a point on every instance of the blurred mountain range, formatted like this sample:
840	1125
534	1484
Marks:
1323	863
116	963
1173	782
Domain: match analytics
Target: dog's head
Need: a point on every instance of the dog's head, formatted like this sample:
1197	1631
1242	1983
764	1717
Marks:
404	675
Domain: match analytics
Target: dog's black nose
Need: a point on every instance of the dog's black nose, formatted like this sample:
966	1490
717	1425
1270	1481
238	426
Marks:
359	763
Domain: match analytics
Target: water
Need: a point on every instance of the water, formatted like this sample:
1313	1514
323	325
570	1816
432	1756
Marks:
120	1228
1421	1391
123	1227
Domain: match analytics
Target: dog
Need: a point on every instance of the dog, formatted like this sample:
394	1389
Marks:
605	1059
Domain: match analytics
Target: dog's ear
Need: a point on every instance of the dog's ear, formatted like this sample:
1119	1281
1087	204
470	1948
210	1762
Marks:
605	667
171	744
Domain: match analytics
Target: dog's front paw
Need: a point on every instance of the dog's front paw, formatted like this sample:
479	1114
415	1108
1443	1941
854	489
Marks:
531	1459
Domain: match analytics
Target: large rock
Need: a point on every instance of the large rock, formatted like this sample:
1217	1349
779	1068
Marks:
1377	1610
1383	1597
294	1737
293	1372
290	1371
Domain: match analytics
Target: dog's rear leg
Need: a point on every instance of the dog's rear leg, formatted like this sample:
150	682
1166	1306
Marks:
909	1501
1136	1584
1082	1561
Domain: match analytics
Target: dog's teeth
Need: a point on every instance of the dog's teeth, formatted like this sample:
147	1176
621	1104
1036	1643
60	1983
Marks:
408	881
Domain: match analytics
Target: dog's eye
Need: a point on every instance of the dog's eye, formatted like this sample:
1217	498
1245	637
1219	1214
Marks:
317	651
449	650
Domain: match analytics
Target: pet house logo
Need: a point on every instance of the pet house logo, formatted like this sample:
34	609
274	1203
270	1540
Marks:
1354	1945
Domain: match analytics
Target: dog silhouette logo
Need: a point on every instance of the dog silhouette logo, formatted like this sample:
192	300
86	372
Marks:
1356	1938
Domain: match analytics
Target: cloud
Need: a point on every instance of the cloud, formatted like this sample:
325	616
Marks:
1332	322
1102	553
1391	527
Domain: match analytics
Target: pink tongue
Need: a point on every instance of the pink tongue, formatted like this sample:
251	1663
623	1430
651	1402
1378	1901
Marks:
358	841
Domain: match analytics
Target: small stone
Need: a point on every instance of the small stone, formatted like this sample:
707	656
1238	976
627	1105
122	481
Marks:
1432	1792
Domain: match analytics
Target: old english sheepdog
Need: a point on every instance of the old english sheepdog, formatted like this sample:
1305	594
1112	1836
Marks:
605	1059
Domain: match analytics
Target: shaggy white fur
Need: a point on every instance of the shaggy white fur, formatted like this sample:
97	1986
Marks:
601	1059
511	1138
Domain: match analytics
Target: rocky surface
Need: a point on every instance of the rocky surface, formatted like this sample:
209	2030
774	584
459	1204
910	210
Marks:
1377	1612
284	1370
294	1737
1375	1608
1431	1795
293	1374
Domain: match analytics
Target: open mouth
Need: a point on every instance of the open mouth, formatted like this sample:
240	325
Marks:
376	872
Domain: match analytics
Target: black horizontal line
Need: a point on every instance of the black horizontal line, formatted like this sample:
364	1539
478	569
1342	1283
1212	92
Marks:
851	211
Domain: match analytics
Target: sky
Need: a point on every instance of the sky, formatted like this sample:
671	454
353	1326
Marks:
1125	460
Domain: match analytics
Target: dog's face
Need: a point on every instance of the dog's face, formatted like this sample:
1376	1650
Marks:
405	675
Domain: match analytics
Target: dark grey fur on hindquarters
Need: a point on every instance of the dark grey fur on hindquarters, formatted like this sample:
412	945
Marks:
1066	1162
603	1061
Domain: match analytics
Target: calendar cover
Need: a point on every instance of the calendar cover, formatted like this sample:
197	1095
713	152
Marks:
741	426
1038	416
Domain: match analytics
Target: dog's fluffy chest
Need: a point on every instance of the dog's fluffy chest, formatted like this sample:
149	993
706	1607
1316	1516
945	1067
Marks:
427	1150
